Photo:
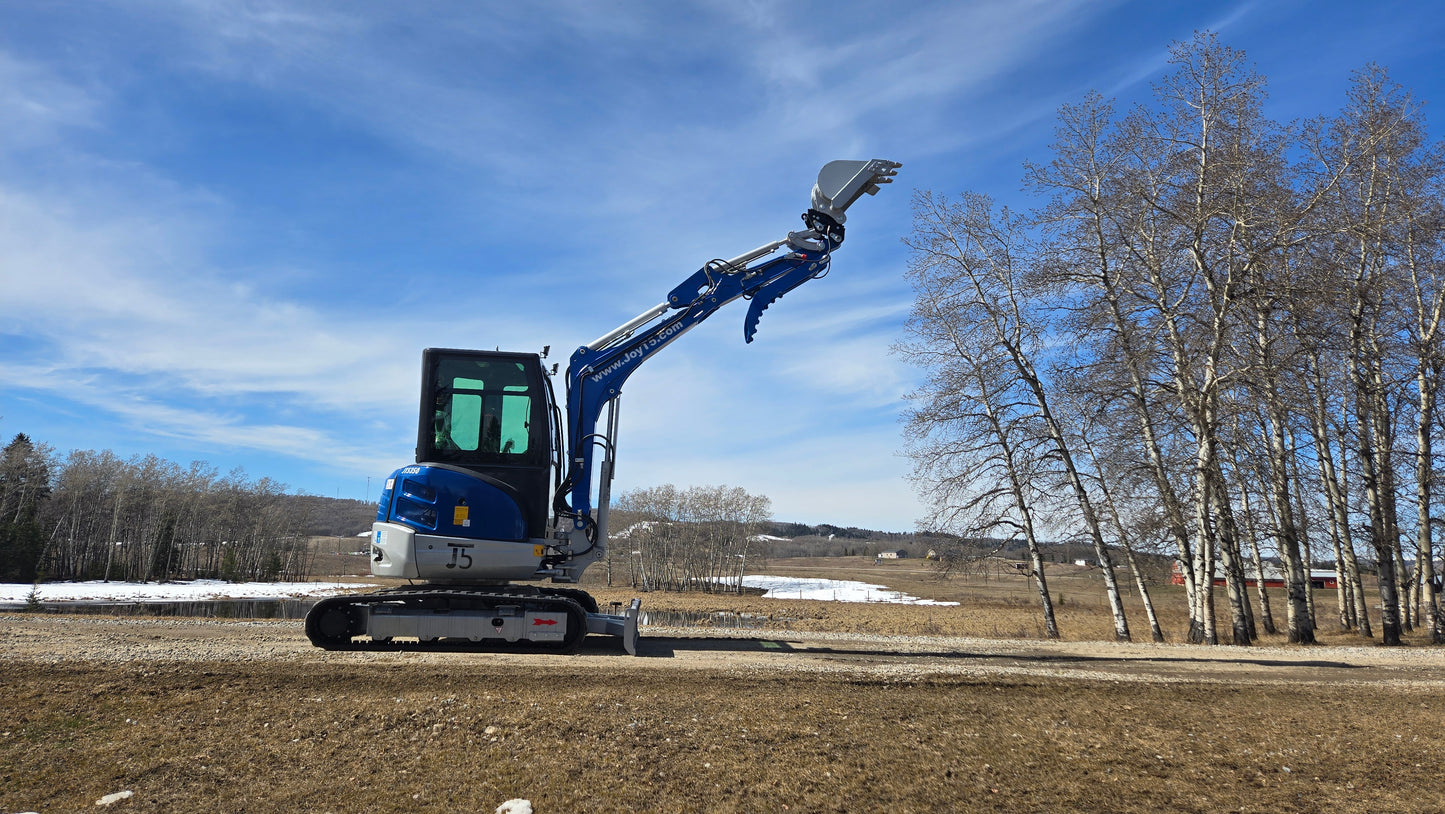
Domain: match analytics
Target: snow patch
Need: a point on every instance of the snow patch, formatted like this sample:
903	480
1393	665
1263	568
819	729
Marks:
635	527
194	590
835	590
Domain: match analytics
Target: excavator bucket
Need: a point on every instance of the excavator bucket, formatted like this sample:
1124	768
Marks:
840	183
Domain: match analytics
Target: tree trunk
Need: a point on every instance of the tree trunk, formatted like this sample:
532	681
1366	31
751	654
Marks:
1241	619
1337	502
1156	633
1378	528
114	531
1265	613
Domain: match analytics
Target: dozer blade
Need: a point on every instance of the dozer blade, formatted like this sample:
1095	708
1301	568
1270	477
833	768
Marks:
624	626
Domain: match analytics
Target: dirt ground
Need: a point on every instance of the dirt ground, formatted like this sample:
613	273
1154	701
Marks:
244	716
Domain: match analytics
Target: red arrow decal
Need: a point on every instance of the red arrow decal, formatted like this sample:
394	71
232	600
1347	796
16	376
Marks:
536	622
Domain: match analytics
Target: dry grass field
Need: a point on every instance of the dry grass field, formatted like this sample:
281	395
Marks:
1000	605
830	707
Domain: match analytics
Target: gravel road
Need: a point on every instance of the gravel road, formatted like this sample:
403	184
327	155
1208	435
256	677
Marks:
55	639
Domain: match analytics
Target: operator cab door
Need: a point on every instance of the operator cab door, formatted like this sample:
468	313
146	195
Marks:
488	413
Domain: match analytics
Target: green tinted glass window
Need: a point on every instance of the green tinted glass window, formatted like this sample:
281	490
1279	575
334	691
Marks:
472	416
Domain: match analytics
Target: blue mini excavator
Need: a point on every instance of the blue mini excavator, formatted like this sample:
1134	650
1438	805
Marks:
502	489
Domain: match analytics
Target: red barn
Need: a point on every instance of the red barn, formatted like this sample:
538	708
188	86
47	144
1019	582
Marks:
1273	577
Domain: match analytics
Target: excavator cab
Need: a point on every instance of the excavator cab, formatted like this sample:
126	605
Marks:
487	413
474	507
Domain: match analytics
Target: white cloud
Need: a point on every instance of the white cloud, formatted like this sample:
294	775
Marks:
599	153
111	291
36	104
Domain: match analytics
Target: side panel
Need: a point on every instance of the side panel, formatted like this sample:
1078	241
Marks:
391	551
510	624
457	559
399	551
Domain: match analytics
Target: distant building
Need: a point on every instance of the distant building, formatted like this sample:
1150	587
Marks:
892	554
1273	577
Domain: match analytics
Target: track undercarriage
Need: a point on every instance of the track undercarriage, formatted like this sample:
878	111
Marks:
488	617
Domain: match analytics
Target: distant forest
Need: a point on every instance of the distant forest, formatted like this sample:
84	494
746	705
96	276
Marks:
95	515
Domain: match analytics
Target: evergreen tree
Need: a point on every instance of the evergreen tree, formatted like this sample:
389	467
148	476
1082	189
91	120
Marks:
24	487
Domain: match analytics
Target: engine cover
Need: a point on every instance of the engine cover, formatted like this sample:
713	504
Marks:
452	502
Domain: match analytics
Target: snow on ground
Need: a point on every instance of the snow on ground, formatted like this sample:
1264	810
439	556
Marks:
191	591
635	527
837	590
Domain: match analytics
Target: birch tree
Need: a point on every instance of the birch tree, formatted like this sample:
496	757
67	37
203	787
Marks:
979	259
1095	224
1379	254
972	436
695	539
1265	305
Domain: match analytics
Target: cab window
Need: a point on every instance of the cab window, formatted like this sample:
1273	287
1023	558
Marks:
482	406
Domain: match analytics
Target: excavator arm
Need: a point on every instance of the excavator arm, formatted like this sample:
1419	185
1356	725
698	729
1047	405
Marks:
597	370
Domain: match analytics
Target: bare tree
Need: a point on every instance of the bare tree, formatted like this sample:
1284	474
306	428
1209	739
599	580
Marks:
969	426
1382	255
1086	427
697	539
978	261
148	519
1263	303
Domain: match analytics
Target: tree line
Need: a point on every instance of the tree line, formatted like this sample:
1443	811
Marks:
699	538
95	515
1217	336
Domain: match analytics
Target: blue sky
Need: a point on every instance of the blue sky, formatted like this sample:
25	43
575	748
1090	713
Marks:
227	229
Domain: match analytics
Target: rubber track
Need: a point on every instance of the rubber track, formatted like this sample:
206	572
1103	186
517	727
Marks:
553	601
